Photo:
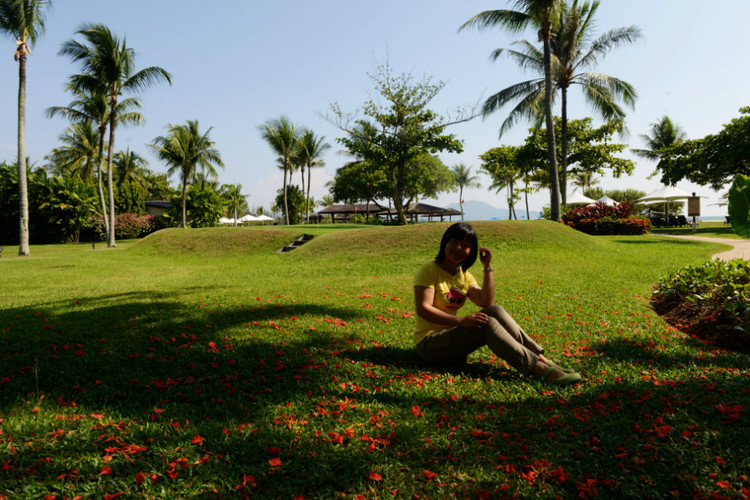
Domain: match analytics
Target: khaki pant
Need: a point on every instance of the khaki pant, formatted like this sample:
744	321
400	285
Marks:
501	334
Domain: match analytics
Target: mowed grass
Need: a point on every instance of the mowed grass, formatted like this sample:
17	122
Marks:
201	363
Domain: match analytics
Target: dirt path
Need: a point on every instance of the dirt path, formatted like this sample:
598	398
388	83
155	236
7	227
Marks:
741	248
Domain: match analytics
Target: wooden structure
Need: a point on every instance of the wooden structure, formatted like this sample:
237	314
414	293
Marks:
414	210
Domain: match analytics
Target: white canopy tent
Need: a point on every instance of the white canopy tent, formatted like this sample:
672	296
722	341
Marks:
224	220
665	194
607	201
264	218
248	218
577	198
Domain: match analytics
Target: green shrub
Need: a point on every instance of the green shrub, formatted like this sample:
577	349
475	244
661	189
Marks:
720	290
129	226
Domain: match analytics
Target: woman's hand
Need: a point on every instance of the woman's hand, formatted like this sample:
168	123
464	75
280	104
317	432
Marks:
475	320
485	256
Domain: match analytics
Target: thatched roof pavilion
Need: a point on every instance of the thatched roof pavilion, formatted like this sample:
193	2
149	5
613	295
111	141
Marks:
344	212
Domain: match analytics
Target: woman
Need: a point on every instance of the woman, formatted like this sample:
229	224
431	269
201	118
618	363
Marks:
441	288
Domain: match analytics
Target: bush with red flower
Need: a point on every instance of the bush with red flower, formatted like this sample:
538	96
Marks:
129	226
604	219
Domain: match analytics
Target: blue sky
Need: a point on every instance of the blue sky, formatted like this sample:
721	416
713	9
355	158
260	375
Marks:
238	63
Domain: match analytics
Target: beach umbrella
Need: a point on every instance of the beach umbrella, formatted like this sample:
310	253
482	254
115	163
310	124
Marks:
607	201
248	218
224	220
665	194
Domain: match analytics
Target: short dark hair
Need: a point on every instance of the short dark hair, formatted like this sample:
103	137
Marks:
460	230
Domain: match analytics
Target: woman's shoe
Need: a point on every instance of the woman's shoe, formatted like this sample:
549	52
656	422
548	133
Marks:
567	379
564	370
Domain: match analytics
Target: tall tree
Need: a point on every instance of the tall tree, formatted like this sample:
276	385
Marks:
94	107
663	134
109	68
396	135
130	167
24	21
184	149
464	179
281	135
538	14
77	156
236	201
310	149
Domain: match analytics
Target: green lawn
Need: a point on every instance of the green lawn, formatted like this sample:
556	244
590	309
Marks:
715	229
203	363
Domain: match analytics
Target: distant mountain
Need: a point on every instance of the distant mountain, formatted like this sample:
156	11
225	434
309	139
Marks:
479	210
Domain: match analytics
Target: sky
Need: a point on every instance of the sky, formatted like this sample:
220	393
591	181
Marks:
238	63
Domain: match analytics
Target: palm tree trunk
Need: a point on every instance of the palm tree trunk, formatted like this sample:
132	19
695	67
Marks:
102	202
184	200
286	204
307	200
564	145
551	149
23	196
461	200
110	185
526	197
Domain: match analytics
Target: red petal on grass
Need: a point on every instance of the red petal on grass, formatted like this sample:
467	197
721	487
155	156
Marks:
375	476
275	462
198	440
106	471
416	411
113	495
428	474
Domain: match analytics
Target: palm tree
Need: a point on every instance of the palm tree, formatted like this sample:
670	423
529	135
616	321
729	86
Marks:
464	179
24	21
281	135
129	167
571	53
109	66
88	106
584	180
237	201
664	133
185	149
78	154
309	149
538	14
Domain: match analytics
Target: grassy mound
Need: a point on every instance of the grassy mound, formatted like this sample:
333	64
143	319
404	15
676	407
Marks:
214	242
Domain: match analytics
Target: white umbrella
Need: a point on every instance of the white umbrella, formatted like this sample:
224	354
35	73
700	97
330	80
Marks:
577	198
248	218
666	194
224	220
264	217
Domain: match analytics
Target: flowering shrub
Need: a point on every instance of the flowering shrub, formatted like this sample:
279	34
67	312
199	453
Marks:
604	219
129	226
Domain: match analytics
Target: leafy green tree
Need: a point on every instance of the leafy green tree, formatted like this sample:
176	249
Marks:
109	67
184	149
22	20
464	179
281	135
502	165
664	133
202	208
713	160
359	181
538	14
308	153
70	204
585	180
739	205
295	204
397	132
157	186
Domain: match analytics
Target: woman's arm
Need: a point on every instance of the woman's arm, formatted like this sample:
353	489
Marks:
485	296
423	299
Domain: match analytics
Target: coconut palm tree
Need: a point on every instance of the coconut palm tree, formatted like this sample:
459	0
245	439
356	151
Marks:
281	135
664	133
88	106
237	201
184	149
464	179
78	154
572	53
538	14
109	68
22	20
309	149
129	167
584	180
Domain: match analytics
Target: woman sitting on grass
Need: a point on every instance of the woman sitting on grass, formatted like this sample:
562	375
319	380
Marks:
441	288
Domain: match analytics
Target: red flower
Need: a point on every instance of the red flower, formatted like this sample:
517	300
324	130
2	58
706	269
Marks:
375	476
416	411
275	462
198	440
428	474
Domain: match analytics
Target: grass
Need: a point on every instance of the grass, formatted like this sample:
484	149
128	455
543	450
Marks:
716	229
203	364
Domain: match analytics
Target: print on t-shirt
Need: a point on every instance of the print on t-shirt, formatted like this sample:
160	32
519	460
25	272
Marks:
455	298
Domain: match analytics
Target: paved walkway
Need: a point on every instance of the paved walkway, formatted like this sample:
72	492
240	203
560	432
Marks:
740	250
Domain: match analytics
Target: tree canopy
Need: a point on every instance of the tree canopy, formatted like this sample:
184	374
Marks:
714	160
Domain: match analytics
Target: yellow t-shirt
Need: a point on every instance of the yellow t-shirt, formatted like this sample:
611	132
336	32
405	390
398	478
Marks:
450	294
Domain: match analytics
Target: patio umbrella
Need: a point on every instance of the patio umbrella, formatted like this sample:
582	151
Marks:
248	218
224	220
607	201
577	198
665	194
